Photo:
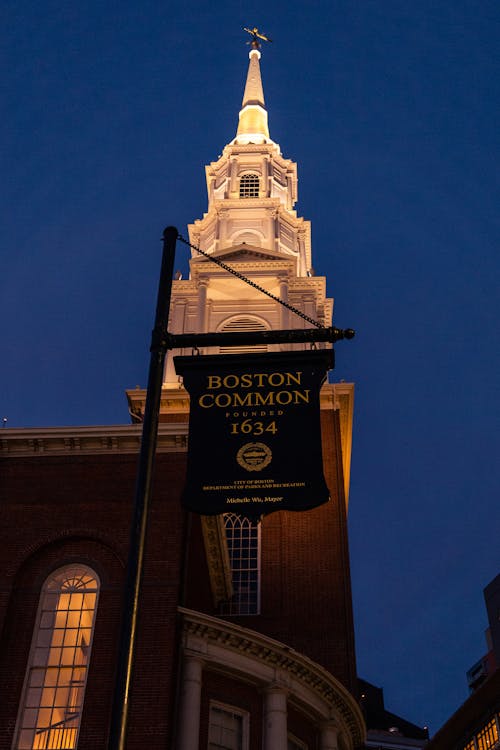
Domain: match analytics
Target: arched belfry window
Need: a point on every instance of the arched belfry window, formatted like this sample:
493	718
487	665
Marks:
243	323
50	712
249	186
243	542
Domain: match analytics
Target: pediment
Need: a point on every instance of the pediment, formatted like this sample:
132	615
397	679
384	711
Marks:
245	252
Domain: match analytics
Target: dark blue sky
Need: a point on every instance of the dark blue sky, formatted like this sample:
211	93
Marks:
390	108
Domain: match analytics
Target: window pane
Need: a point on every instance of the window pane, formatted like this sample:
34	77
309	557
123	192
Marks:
249	186
53	697
225	729
241	533
47	697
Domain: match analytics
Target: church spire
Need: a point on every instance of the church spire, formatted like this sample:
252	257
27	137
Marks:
252	126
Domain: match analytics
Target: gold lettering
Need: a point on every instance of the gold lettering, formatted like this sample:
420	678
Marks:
202	399
290	377
245	400
223	399
301	396
214	381
261	400
231	381
283	397
276	379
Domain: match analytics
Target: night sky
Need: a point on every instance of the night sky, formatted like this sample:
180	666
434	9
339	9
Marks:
110	113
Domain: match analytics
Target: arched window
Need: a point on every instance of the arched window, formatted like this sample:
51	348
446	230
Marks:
50	712
249	186
243	541
243	323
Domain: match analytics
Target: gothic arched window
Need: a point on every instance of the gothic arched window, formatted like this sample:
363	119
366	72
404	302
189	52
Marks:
50	712
243	542
249	186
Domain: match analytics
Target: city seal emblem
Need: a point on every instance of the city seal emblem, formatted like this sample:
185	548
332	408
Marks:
254	456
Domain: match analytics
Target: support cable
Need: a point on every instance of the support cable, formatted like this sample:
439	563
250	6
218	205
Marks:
241	276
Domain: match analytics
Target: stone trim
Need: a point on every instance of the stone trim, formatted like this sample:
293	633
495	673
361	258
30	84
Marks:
226	646
61	441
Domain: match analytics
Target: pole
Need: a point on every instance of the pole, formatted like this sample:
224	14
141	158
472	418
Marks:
121	698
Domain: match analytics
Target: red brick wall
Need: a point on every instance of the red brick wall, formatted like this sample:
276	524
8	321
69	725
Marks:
58	510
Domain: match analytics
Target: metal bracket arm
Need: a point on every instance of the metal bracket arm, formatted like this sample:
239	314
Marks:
165	340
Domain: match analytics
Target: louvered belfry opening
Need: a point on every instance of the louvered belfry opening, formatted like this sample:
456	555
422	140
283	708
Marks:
243	324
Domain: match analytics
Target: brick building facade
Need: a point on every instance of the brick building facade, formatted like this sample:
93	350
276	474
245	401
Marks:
245	632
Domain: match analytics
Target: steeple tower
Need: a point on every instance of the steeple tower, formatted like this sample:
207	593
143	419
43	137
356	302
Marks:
252	126
252	225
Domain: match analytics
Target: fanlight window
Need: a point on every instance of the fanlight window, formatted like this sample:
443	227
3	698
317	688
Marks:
249	186
243	541
57	671
243	323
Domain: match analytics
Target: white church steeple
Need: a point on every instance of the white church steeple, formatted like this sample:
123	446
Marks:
251	225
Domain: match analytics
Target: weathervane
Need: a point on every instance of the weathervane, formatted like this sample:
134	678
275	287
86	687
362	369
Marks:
256	35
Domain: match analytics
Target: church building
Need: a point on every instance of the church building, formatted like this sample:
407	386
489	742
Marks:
245	635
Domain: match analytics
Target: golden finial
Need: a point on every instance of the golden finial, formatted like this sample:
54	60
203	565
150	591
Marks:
256	35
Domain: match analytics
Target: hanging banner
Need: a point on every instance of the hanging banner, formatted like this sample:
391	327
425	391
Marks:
254	431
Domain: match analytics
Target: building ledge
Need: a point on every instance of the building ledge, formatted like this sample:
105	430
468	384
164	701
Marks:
60	441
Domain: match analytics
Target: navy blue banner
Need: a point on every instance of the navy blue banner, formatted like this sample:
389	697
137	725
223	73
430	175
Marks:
254	431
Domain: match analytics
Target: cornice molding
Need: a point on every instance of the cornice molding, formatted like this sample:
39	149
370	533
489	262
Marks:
62	441
219	565
223	644
340	397
234	149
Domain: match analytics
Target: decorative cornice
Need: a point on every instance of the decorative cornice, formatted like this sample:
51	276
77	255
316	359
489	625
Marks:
203	632
61	441
234	148
173	401
219	566
340	396
267	202
256	266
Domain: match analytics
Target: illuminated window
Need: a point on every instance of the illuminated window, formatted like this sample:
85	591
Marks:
249	186
488	736
227	729
470	745
57	671
243	541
